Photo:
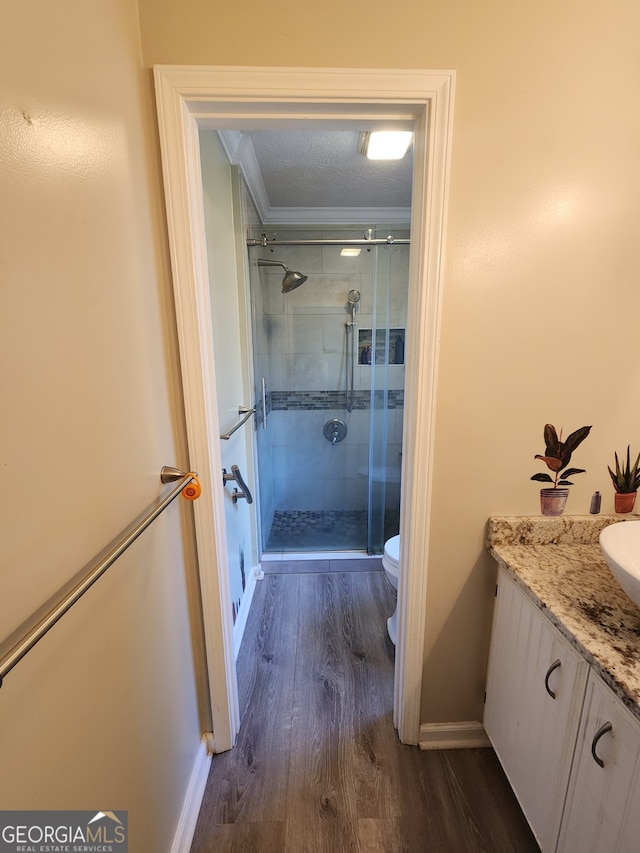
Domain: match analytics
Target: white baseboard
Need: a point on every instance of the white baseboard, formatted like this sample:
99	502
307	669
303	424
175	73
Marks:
192	800
452	735
243	612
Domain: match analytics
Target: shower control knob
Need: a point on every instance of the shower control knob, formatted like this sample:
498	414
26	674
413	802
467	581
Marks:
334	430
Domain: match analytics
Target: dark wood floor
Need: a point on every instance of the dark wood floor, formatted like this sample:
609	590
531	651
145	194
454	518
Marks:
318	767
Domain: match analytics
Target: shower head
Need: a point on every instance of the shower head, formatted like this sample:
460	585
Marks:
353	297
291	280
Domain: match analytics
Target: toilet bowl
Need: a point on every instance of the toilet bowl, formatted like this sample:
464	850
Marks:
391	564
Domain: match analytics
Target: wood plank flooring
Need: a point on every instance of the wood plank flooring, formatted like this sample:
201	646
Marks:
318	767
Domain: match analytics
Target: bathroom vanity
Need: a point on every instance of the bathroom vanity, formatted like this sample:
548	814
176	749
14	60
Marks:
562	706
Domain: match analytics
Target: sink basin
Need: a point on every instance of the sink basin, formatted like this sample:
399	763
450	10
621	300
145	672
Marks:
620	545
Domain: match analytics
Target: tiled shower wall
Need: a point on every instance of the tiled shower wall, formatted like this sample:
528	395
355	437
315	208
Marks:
300	342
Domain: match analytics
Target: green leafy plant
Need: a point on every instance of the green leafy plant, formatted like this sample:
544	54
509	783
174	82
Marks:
557	456
627	477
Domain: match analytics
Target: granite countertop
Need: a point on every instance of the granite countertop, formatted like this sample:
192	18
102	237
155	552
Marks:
558	562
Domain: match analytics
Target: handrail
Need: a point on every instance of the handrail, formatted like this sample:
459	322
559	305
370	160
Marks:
242	410
64	599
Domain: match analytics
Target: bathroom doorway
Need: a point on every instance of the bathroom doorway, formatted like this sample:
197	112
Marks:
190	99
329	363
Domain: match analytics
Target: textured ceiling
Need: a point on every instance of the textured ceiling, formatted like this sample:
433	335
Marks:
323	169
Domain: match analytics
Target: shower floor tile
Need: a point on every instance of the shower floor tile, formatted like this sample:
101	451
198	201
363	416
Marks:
324	530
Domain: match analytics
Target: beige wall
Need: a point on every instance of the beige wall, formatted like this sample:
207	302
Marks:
543	260
103	713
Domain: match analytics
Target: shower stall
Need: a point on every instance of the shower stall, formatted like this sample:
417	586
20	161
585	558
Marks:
329	316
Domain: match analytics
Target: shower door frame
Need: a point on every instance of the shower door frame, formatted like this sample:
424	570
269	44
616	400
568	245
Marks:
190	98
375	501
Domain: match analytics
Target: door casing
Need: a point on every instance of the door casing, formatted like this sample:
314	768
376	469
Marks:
237	98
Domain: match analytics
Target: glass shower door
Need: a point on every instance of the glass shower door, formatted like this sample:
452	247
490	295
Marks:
317	495
387	396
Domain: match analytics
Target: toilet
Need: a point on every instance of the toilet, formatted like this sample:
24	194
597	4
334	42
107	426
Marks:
391	564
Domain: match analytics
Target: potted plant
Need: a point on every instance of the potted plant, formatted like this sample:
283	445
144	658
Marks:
625	481
557	456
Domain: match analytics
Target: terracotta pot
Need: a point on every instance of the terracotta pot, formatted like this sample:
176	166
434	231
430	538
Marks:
624	501
552	501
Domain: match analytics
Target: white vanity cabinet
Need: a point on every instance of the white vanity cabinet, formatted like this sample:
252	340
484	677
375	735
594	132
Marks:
567	743
535	689
602	811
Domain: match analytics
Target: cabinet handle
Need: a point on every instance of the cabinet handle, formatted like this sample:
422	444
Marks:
555	665
607	727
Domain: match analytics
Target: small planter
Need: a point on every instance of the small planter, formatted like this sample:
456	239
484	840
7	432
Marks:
552	501
557	458
624	501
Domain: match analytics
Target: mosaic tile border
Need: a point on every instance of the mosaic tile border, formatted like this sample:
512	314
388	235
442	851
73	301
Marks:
283	401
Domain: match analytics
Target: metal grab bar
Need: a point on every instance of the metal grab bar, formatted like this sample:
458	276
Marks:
39	624
242	410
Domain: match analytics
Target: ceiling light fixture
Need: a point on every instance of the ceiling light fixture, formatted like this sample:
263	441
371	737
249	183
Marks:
350	252
386	144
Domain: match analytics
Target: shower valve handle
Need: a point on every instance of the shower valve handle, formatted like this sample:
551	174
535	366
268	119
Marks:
334	430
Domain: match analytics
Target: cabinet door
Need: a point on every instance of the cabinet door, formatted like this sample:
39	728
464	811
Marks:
602	812
535	687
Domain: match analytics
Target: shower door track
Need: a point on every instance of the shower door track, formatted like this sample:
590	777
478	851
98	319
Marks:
358	241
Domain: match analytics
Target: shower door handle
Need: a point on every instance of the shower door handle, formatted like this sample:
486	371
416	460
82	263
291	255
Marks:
236	494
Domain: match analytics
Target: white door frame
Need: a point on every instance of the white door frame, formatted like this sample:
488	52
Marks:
236	98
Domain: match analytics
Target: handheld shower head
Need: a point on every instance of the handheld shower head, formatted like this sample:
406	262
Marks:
353	297
291	280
